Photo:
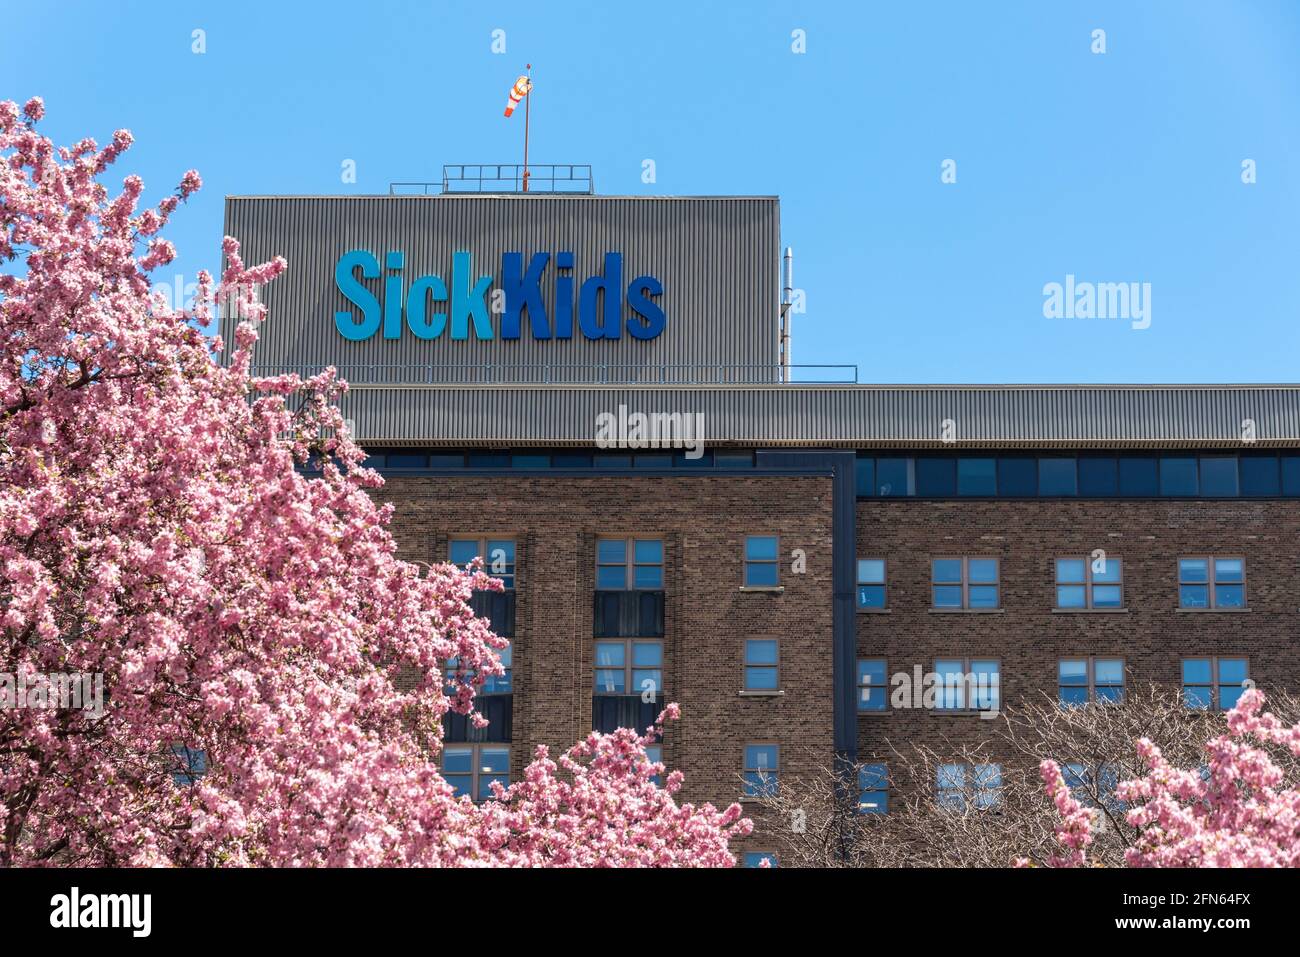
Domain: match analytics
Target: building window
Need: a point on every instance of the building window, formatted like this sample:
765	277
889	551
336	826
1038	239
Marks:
756	858
1214	682
498	556
760	561
1084	583
470	769
762	766
631	666
873	789
761	665
654	753
968	684
962	786
1092	787
492	684
1081	680
191	764
1212	583
871	583
964	583
872	684
629	564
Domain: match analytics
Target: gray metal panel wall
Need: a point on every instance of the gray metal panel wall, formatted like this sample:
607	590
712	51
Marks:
718	259
795	415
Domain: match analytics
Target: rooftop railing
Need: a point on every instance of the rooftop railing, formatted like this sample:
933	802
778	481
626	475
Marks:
575	178
591	374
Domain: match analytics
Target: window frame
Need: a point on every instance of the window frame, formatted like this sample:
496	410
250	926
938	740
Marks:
967	670
883	585
481	544
1091	682
858	686
968	789
630	564
965	583
883	787
628	667
1088	584
773	773
1211	583
1216	682
745	666
476	770
746	562
451	667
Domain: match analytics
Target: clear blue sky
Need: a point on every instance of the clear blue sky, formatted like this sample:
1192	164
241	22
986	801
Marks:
1122	167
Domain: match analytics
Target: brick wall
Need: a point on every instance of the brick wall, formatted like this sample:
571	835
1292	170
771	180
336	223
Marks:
1152	636
703	521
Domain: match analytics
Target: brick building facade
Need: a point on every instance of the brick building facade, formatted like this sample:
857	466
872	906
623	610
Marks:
818	536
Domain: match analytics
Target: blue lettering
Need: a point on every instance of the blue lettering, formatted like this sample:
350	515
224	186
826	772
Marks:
415	305
523	294
609	288
357	294
638	300
468	302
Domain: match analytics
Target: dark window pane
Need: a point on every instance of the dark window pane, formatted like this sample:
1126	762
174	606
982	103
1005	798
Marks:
871	596
446	461
977	477
611	577
530	461
406	460
1017	477
866	476
947	596
1056	476
734	460
946	569
1259	475
1137	477
1290	475
1219	475
682	460
894	477
611	461
1106	596
1229	596
1177	476
1098	477
652	461
936	477
761	575
564	460
488	460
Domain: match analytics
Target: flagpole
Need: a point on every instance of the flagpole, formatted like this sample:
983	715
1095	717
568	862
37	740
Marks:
528	102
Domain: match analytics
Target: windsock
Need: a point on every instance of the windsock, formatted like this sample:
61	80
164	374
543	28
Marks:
517	93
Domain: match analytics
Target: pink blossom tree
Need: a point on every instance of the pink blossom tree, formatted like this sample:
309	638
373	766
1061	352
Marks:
204	540
1235	811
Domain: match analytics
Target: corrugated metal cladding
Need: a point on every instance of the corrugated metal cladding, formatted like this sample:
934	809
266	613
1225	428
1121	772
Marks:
717	257
845	416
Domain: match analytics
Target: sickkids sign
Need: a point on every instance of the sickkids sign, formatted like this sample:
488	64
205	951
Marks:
431	306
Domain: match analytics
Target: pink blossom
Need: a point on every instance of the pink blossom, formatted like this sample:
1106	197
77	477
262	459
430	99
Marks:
237	603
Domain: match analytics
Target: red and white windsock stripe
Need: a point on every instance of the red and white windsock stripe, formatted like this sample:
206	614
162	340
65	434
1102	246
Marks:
517	93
